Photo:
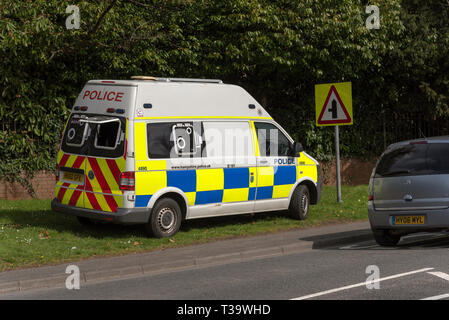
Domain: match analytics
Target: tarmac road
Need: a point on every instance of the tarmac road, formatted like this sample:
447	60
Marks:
418	268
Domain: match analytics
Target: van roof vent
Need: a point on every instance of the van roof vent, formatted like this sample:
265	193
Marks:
177	79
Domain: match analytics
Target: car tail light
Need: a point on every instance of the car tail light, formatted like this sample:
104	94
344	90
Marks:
370	198
127	181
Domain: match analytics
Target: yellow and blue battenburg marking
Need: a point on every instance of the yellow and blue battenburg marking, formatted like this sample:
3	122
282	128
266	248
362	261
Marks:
206	186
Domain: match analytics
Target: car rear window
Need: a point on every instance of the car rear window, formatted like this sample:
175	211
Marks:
415	159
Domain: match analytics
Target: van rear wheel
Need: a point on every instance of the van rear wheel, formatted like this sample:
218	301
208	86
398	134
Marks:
165	219
85	221
300	203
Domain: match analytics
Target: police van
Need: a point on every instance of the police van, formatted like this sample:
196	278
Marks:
157	151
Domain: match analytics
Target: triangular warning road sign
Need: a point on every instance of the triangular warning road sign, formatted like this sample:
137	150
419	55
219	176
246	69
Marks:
333	111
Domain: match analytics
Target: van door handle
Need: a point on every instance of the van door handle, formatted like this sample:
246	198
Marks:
251	177
263	161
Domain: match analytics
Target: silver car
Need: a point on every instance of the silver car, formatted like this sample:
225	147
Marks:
409	189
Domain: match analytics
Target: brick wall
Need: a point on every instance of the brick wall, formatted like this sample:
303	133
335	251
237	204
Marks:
43	183
352	171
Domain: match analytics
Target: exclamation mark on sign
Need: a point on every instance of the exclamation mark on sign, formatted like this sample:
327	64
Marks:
333	109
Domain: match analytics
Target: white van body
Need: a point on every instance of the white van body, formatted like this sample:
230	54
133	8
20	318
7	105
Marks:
208	146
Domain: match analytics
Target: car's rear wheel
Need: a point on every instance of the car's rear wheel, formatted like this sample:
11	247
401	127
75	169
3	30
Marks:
165	219
386	238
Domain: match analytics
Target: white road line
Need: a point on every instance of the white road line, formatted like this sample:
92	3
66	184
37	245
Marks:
442	275
355	247
439	297
361	284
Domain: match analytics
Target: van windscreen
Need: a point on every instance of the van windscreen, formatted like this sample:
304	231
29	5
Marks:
415	159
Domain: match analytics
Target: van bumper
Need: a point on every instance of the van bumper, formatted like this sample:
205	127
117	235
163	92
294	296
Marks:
122	216
433	219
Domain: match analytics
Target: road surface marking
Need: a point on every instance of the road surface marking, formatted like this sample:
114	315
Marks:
439	297
356	247
442	275
361	284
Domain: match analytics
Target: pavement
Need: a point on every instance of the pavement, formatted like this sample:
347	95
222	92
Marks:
186	258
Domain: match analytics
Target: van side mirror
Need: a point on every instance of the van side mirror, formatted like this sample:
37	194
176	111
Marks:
297	149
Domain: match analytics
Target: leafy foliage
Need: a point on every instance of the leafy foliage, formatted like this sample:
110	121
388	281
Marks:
277	50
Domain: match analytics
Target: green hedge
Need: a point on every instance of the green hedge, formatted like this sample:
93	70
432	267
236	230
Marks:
277	50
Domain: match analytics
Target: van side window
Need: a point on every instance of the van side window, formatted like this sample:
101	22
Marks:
272	142
174	140
228	139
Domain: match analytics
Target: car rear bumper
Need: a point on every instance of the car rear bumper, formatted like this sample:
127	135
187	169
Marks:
433	219
122	216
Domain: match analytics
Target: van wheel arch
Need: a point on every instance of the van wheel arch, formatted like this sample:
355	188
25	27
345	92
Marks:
312	191
178	198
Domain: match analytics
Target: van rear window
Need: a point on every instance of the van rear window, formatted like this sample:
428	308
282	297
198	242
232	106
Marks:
415	159
95	135
76	132
107	135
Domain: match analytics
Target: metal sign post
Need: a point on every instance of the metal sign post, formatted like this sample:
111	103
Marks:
337	156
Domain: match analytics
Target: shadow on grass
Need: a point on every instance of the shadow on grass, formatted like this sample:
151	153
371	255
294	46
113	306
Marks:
50	220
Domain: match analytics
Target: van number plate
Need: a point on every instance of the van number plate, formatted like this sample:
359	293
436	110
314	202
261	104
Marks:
408	220
70	176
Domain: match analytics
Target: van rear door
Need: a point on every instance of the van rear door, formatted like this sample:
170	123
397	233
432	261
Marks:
105	162
94	146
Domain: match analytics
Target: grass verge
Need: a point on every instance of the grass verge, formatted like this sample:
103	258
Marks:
32	235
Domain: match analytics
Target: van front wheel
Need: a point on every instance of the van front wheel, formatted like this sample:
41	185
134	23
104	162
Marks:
165	219
300	202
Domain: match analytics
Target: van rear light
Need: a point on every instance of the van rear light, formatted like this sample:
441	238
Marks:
370	198
127	181
110	110
83	108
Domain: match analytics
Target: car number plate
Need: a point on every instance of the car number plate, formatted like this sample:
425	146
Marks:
71	176
408	220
